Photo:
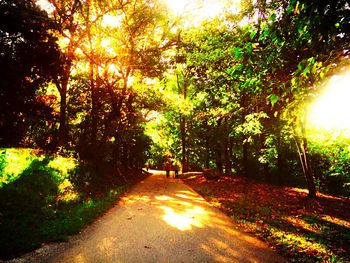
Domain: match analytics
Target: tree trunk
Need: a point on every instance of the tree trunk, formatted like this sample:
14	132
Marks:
303	153
227	149
308	169
219	159
183	144
93	106
63	130
244	137
207	153
183	90
62	89
280	159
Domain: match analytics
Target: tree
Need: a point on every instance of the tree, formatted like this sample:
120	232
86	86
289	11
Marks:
28	59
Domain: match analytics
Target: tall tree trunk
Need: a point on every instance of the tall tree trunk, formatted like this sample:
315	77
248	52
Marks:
227	149
280	159
207	153
302	147
228	166
183	130
63	130
243	103
183	144
219	159
308	169
93	107
62	87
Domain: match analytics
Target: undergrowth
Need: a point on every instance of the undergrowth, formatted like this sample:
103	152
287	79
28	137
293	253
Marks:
40	203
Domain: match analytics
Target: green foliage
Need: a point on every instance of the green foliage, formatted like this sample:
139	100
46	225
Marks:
22	232
34	179
40	199
255	82
331	161
231	94
269	153
29	58
19	160
252	125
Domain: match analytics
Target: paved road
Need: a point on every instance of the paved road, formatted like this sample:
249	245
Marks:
164	220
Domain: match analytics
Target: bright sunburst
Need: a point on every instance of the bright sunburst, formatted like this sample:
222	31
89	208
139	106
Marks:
332	110
197	10
45	5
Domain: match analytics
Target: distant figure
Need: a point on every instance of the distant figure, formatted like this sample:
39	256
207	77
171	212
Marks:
167	169
176	169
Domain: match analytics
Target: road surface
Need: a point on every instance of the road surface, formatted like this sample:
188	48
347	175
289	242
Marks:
163	220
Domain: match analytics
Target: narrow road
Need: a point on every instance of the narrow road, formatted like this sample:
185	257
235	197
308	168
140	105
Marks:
164	220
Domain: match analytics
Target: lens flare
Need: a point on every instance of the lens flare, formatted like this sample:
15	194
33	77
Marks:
46	5
196	10
332	110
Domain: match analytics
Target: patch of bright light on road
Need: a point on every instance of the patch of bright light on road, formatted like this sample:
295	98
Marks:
191	217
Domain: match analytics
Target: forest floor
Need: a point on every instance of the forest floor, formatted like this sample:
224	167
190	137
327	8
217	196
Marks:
159	220
300	228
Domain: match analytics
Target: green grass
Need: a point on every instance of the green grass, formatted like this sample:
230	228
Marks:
13	162
23	232
39	203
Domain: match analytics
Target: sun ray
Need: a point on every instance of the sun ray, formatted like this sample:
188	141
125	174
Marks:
331	110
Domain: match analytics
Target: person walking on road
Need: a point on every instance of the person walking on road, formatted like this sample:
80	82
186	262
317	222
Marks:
176	170
167	168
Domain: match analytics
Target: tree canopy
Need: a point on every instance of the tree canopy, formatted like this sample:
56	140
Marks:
131	82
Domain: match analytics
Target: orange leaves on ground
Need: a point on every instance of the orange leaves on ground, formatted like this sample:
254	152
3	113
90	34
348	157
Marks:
303	229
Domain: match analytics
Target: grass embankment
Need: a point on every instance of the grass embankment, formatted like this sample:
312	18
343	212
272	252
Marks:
40	201
301	229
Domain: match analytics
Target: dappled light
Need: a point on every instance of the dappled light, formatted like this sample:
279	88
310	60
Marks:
168	209
136	198
298	241
163	198
337	221
186	219
184	212
66	192
245	101
300	223
314	228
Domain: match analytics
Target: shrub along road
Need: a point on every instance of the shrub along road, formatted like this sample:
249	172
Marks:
162	220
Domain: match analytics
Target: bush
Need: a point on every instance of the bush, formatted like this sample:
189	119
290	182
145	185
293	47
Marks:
35	189
335	184
212	174
39	201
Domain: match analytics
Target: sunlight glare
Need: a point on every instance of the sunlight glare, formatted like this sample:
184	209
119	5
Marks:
332	110
198	10
195	216
46	5
112	21
177	6
113	68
